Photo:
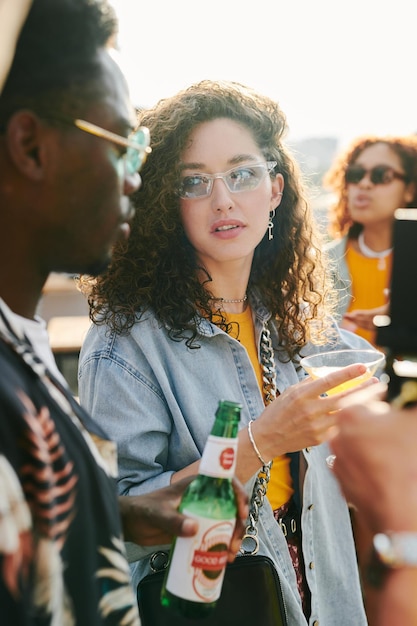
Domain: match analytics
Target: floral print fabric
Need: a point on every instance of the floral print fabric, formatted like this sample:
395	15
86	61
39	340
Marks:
62	560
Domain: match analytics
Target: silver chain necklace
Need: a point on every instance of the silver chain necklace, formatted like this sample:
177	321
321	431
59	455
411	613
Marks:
372	254
239	300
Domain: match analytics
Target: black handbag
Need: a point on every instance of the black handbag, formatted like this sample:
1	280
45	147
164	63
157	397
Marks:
251	591
251	594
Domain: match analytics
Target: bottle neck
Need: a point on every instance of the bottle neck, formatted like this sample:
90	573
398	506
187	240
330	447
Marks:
225	427
227	419
219	456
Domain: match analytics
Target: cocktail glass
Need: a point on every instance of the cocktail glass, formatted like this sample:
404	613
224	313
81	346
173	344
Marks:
323	363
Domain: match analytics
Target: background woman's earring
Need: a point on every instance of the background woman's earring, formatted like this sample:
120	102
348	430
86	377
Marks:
271	225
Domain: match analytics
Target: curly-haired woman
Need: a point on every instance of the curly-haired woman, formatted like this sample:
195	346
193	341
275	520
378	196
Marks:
222	265
372	178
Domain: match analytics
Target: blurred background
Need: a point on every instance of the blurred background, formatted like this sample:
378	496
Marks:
339	69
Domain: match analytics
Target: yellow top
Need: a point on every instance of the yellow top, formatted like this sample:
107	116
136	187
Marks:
280	485
370	277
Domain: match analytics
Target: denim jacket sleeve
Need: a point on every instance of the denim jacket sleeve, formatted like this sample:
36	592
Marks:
157	398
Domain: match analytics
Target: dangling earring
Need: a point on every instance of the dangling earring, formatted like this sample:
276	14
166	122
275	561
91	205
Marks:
271	225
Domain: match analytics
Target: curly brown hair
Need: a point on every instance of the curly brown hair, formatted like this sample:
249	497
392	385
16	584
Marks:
157	267
340	222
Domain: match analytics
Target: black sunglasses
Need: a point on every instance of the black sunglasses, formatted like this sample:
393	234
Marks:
379	175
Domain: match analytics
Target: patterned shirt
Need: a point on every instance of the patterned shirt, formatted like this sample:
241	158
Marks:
62	559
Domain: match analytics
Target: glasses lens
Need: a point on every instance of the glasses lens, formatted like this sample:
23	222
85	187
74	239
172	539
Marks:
245	178
354	174
382	175
136	157
134	160
196	186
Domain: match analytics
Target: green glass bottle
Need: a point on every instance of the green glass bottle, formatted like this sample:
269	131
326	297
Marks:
195	571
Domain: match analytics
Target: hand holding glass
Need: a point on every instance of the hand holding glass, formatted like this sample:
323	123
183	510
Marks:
321	364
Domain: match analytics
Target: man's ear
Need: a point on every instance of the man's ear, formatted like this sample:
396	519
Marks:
25	136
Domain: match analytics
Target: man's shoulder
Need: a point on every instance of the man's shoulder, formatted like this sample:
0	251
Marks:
19	384
12	367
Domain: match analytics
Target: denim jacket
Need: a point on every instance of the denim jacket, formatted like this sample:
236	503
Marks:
157	399
336	252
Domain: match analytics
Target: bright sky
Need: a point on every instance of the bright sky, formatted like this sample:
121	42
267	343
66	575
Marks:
338	67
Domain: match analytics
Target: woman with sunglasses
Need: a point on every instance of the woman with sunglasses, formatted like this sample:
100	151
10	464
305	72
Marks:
372	178
217	294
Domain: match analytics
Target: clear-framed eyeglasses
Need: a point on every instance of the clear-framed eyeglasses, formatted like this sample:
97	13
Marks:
238	179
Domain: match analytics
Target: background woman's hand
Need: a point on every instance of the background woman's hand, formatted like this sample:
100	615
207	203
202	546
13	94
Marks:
362	318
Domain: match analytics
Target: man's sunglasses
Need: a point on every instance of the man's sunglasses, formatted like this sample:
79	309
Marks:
378	175
136	144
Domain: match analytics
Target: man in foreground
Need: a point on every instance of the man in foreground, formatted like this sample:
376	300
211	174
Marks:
69	160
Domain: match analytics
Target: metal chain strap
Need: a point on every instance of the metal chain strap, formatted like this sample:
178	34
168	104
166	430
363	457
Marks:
250	541
269	375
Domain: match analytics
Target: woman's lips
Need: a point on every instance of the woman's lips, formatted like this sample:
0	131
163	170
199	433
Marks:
227	229
361	201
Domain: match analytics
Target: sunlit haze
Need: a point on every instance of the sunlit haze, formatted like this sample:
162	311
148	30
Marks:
338	69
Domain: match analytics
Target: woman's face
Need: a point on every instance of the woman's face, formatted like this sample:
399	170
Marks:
370	203
226	226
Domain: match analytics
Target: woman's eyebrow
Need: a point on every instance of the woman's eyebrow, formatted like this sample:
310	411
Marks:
235	160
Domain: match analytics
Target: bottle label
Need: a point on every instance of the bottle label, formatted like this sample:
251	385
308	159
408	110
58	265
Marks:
219	457
198	563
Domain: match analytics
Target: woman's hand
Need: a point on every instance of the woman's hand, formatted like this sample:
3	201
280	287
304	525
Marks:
302	416
153	518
